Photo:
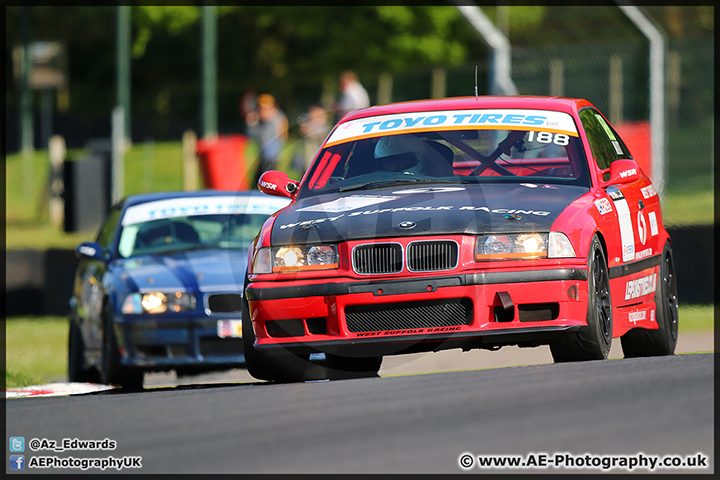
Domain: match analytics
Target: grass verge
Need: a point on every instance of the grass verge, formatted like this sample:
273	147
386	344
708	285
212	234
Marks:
37	346
689	208
35	350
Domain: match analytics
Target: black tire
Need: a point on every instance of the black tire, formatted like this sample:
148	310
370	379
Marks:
640	342
77	370
592	342
339	367
112	372
286	368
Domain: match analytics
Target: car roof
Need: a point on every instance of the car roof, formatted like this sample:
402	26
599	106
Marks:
561	104
151	197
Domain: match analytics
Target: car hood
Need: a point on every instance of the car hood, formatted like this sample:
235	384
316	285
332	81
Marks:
415	211
193	271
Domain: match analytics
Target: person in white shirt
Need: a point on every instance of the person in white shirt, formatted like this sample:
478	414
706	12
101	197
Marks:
353	94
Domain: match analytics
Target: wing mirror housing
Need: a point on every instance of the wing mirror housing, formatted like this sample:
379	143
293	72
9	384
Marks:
91	250
621	172
274	182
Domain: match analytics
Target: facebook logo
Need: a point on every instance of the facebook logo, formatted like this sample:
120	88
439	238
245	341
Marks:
17	444
17	462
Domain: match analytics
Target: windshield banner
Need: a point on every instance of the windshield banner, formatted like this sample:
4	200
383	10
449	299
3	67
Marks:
181	207
505	119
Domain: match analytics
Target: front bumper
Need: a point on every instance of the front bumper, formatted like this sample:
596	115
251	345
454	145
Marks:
397	316
187	340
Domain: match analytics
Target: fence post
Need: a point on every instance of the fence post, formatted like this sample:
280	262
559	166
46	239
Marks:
674	84
438	82
56	151
556	77
190	166
615	85
327	97
501	82
384	94
118	154
657	91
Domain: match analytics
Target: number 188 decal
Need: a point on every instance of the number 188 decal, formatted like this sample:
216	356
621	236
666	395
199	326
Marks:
548	137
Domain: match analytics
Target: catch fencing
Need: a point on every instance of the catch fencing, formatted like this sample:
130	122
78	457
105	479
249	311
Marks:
614	76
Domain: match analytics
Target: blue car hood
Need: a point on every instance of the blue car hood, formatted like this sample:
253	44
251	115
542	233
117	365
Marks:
193	271
431	210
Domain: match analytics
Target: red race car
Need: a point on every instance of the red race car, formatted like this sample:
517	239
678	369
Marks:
465	223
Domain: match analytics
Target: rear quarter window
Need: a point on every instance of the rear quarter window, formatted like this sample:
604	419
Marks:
605	144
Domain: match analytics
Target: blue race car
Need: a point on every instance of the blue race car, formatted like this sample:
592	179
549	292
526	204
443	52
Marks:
160	287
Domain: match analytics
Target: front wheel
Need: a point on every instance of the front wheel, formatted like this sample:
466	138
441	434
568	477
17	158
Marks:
77	371
640	342
283	368
112	371
592	342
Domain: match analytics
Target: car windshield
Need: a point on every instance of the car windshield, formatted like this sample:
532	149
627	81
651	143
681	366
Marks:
191	232
355	160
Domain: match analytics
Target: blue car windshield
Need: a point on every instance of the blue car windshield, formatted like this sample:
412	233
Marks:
191	232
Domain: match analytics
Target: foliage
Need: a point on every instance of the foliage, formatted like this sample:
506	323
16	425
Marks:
172	19
294	52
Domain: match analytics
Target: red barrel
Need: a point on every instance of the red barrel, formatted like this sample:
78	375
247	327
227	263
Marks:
222	162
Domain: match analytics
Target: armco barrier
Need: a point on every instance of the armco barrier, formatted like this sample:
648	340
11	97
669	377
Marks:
24	282
40	283
694	254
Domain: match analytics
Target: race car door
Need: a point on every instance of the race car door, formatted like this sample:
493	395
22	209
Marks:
636	208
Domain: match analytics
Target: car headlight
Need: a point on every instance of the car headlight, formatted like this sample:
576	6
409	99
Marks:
158	302
314	257
511	247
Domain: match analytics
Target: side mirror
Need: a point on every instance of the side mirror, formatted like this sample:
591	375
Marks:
91	250
622	171
277	183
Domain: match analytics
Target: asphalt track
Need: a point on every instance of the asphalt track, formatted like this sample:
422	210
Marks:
395	424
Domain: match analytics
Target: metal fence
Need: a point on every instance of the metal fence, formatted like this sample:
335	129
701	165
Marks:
614	76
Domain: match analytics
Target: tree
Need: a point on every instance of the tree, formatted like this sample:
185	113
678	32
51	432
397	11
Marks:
291	51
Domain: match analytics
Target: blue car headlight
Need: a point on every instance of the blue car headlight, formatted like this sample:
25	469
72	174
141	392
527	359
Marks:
158	302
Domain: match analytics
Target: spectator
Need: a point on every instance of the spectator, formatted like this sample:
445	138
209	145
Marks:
353	94
314	127
268	125
248	102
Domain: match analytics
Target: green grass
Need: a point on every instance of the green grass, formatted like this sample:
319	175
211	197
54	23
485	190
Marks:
17	380
36	350
37	346
689	208
153	167
697	318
